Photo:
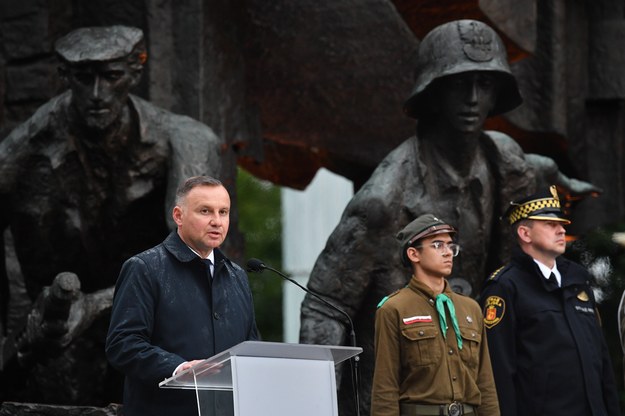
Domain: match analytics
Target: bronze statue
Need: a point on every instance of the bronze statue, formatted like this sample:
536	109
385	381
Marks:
452	167
619	238
85	183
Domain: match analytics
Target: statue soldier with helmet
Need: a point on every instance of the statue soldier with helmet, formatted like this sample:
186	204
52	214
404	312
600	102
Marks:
452	167
85	183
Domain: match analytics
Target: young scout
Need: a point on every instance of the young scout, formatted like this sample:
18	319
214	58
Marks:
430	343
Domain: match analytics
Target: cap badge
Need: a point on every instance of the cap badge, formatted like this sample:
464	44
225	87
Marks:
554	192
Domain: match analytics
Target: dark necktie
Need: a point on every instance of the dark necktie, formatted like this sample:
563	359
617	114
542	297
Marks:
552	280
208	264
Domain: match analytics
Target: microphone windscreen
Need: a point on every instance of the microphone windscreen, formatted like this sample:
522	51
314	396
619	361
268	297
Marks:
255	265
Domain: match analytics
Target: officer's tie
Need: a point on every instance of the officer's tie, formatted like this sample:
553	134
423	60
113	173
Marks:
553	280
441	301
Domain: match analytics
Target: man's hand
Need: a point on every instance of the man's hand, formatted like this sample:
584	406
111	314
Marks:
187	365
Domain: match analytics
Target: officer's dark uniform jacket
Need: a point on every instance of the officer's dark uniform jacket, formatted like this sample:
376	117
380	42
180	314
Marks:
166	312
547	348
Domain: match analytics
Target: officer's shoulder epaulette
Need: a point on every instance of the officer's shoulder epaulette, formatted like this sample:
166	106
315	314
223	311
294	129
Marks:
498	273
387	297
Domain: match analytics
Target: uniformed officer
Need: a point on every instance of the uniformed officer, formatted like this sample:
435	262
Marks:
547	349
431	355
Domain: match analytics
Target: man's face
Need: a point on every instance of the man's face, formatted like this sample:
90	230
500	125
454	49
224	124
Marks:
100	91
432	261
546	237
203	218
466	99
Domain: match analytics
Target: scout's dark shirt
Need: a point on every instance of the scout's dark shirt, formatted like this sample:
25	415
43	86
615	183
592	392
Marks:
547	348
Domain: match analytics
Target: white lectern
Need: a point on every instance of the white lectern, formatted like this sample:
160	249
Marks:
270	378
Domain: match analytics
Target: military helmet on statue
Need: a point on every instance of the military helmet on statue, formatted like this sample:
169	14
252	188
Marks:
462	46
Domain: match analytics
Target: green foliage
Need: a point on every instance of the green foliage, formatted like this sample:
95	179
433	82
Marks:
260	222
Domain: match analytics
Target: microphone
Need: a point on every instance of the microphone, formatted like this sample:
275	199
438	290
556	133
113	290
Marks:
257	266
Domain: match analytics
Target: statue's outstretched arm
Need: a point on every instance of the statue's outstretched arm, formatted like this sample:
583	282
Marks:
548	173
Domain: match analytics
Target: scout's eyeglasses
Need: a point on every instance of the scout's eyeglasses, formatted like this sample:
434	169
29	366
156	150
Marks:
442	247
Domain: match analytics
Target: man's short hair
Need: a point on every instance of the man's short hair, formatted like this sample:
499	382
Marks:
193	182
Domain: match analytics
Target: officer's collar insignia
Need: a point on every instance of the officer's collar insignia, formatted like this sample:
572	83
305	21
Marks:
494	310
478	41
583	296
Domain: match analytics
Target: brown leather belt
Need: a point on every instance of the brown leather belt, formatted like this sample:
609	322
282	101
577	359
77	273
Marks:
451	409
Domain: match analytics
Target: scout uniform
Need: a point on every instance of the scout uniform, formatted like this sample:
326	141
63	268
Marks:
424	366
547	348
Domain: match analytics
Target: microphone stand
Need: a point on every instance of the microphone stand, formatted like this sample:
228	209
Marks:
260	266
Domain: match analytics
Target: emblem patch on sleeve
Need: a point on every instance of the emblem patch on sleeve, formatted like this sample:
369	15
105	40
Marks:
494	310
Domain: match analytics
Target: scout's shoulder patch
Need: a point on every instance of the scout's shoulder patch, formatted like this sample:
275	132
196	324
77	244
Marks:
385	298
494	311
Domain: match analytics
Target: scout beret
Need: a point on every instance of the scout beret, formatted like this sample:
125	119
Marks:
105	43
543	205
421	227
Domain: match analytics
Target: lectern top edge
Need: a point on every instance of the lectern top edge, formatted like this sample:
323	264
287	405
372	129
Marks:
261	349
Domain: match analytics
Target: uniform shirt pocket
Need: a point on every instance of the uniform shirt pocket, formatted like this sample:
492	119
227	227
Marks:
470	353
421	345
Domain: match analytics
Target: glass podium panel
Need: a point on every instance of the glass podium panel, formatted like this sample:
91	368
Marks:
276	386
268	378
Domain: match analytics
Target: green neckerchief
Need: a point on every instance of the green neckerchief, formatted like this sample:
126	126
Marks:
441	300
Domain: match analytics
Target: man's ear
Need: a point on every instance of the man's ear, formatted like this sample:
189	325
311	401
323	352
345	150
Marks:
176	214
413	255
523	233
